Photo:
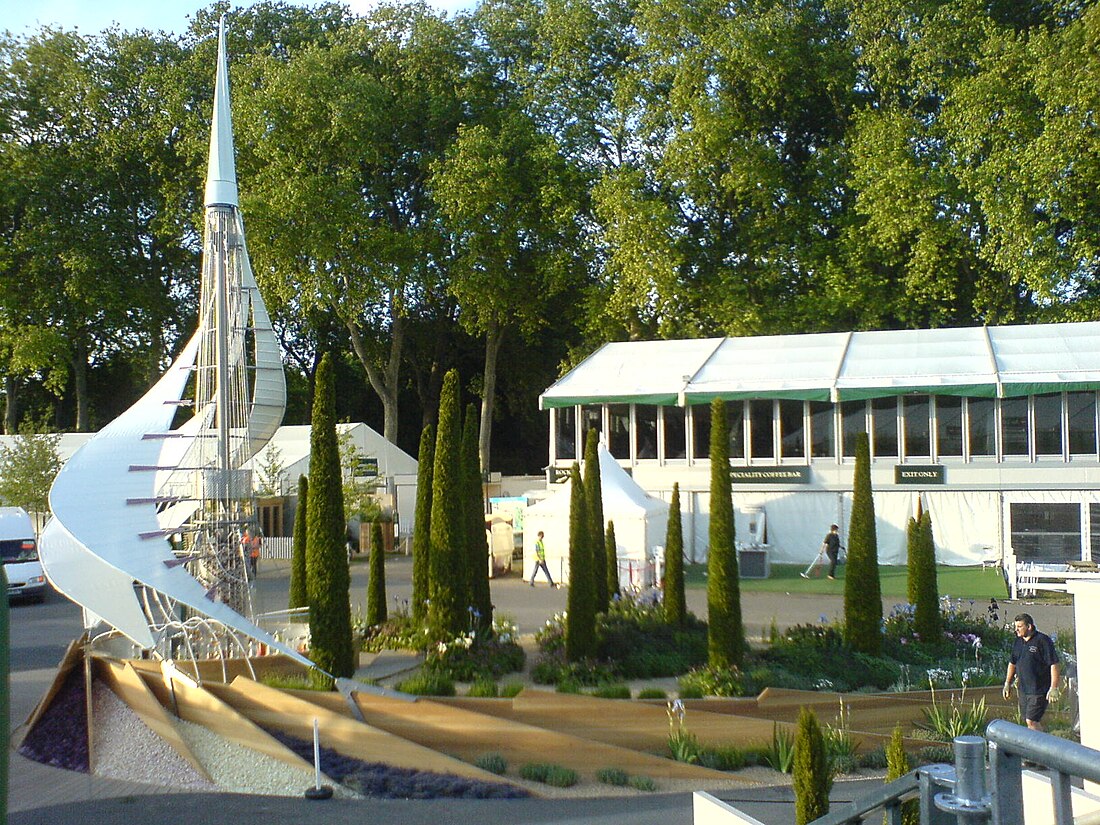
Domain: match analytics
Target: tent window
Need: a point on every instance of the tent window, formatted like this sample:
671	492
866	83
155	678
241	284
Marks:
591	419
763	437
918	438
565	432
949	426
735	414
822	434
1046	532
645	434
618	425
700	428
981	418
1014	429
675	440
1081	410
853	421
884	414
792	430
1048	424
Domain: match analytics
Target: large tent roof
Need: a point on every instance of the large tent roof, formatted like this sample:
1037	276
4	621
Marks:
621	494
970	361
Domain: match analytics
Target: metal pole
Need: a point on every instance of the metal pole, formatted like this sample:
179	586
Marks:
970	803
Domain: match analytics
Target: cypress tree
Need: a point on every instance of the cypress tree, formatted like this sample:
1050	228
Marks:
675	598
811	775
912	553
593	497
897	765
726	634
580	623
612	562
298	595
421	546
480	598
376	584
927	621
862	589
447	554
328	580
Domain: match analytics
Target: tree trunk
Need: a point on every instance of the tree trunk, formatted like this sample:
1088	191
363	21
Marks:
80	388
11	405
383	379
493	339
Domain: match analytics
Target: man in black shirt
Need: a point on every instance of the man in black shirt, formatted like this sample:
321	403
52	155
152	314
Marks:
1034	666
831	543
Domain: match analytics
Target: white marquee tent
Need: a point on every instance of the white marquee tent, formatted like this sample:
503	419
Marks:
641	521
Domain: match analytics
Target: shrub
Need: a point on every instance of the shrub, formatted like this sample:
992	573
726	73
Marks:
474	656
642	783
683	745
616	690
652	693
954	719
780	753
421	543
298	596
675	605
641	644
556	775
427	683
926	618
714	681
493	763
612	776
448	586
376	583
874	759
484	689
862	589
690	691
511	689
580	626
288	681
726	638
593	496
897	765
935	755
812	778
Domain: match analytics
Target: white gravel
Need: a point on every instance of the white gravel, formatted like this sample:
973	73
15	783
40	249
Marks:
126	748
242	770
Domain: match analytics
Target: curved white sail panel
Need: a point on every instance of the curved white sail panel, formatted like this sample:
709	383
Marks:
138	483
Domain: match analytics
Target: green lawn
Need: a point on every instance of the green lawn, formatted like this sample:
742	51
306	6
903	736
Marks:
978	583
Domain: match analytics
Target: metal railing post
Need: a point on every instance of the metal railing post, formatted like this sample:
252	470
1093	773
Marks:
970	803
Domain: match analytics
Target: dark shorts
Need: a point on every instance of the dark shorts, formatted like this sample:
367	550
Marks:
1032	706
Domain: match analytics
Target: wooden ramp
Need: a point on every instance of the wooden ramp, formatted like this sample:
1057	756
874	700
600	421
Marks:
272	708
471	730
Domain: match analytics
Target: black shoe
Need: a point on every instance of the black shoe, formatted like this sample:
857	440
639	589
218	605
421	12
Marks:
532	584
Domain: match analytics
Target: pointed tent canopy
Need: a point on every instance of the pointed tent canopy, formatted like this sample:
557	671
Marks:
221	171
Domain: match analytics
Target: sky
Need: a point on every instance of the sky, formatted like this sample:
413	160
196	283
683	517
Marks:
22	17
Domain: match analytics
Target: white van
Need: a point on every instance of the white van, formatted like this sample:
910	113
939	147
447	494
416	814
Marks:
19	553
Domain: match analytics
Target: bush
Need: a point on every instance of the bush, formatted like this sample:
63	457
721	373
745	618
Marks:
289	681
427	683
474	656
493	763
555	670
484	689
612	776
862	588
556	775
873	759
936	754
652	693
511	689
715	681
812	778
642	783
639	643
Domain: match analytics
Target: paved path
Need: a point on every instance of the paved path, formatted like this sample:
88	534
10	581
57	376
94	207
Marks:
41	794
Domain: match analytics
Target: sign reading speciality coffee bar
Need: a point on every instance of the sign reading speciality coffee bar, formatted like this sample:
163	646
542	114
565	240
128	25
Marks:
770	475
920	474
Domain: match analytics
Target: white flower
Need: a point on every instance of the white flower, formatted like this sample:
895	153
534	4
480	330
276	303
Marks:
442	648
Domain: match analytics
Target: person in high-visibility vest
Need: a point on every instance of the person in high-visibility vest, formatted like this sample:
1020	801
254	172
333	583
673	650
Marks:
540	560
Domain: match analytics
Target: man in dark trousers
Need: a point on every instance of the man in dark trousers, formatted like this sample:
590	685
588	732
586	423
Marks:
1034	666
831	543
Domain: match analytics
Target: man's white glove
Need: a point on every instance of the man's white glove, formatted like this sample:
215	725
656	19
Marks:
1053	694
1007	691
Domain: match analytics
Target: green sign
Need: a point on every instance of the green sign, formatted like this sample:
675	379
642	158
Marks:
770	475
920	474
366	468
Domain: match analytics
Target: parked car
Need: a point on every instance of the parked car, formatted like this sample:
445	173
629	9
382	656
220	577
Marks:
19	553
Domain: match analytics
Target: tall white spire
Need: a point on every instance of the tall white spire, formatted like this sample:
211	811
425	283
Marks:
221	171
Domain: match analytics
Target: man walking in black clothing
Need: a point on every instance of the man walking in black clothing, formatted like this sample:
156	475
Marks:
1034	666
831	543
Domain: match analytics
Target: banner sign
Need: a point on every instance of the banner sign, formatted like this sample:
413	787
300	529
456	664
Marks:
770	475
920	474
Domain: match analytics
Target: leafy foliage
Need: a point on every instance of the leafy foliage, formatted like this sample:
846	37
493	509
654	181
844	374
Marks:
612	565
862	589
28	467
897	765
328	580
556	775
447	555
428	683
580	626
926	621
479	596
421	544
593	496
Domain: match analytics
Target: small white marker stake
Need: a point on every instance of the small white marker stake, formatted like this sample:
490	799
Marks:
318	791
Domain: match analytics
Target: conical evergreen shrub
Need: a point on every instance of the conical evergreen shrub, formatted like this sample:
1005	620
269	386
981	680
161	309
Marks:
862	588
609	542
328	580
593	497
580	622
897	765
376	584
298	597
927	620
5	697
474	508
726	634
675	600
447	554
912	553
811	775
422	529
